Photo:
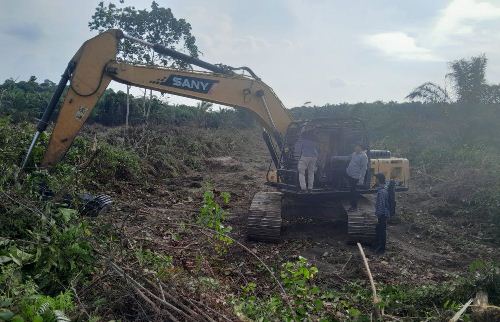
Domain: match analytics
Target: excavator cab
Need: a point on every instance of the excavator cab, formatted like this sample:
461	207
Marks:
335	139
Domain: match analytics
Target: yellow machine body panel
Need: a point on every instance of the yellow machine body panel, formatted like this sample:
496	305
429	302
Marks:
397	169
88	83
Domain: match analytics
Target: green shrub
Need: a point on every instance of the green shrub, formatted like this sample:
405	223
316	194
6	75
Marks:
161	264
20	299
212	216
353	302
43	245
308	302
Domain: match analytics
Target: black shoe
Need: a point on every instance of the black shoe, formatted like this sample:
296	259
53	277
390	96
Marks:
352	209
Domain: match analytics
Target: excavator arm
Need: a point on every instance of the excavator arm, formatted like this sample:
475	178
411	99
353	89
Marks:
94	66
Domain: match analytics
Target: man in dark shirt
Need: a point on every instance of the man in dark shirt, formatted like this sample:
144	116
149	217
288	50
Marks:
382	211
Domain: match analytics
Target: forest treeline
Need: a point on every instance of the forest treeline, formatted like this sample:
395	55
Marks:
26	101
391	124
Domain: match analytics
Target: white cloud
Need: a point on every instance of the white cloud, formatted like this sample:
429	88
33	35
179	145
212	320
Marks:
459	21
218	34
460	17
400	45
337	83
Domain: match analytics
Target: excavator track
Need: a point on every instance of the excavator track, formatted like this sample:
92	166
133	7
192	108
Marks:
361	224
264	218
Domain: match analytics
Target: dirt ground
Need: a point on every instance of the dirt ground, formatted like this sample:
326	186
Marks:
424	246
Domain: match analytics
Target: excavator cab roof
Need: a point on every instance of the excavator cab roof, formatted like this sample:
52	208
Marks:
344	133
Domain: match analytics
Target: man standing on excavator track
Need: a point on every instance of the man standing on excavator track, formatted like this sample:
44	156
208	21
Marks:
355	173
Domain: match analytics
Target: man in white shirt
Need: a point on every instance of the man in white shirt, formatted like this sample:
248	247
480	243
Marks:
307	147
355	173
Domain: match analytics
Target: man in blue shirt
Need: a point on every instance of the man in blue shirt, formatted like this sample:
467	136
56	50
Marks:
307	148
382	211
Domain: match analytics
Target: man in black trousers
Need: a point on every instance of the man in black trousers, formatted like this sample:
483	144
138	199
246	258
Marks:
382	211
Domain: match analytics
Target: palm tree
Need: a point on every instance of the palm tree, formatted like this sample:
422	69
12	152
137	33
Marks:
429	93
468	82
468	77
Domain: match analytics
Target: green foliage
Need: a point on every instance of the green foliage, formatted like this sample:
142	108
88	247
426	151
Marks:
353	302
43	245
468	77
117	163
67	255
212	215
47	308
297	279
24	100
308	301
161	264
429	93
20	299
53	248
157	25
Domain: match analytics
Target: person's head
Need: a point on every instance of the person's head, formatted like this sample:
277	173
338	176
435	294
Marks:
380	179
358	147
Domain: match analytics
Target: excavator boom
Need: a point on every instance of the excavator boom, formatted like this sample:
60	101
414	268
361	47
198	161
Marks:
94	66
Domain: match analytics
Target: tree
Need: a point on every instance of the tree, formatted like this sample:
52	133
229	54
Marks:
429	93
468	77
157	25
24	100
468	83
491	94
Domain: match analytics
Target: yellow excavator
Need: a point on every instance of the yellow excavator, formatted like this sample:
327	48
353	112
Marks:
95	65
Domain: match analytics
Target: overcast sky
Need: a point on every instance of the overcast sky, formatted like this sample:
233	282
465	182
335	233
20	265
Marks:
323	51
